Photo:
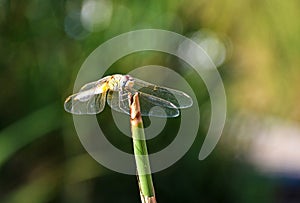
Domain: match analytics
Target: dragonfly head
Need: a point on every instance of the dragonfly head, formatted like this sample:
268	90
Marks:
126	81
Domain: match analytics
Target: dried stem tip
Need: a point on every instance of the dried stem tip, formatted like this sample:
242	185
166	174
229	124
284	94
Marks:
135	111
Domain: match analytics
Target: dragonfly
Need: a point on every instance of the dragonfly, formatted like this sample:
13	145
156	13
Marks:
115	89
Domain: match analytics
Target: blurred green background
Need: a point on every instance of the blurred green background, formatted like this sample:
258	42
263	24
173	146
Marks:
255	45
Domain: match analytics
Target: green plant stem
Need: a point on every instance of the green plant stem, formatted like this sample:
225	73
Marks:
140	152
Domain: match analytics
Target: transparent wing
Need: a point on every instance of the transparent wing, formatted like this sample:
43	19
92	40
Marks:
85	104
89	86
93	85
155	106
150	105
176	97
89	99
114	101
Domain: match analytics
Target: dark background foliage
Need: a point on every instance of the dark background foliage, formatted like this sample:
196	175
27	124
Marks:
44	43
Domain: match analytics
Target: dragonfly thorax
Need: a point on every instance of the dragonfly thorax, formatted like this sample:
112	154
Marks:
113	82
117	82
